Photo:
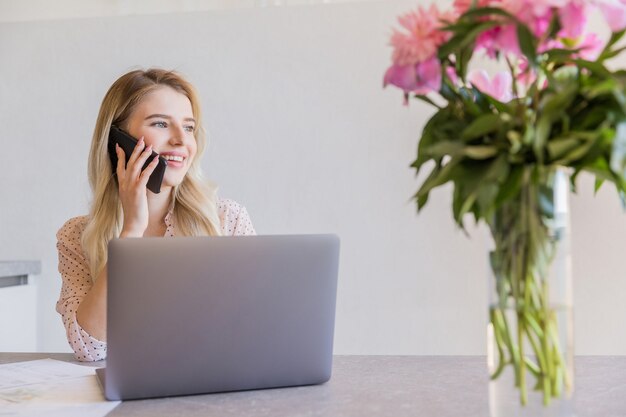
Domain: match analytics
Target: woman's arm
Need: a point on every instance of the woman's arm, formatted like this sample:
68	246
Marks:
77	284
83	302
91	313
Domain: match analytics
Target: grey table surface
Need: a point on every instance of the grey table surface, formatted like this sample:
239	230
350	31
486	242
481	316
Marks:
394	386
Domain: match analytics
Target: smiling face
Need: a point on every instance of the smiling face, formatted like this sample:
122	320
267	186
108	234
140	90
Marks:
165	119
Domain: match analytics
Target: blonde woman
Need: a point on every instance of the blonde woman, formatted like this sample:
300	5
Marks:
162	111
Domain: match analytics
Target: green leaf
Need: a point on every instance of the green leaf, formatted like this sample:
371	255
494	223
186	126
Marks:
555	26
595	67
597	184
438	176
620	98
560	54
575	154
480	151
463	58
447	148
469	105
603	88
485	198
610	54
557	148
615	37
477	183
511	186
502	108
463	39
544	126
482	126
564	77
527	43
515	141
427	99
442	125
466	206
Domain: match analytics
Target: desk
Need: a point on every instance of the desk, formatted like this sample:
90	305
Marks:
385	386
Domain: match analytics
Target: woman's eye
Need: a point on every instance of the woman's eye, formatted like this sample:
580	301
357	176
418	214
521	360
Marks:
159	124
189	128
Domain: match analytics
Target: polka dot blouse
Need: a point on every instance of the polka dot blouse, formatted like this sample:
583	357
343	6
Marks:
74	269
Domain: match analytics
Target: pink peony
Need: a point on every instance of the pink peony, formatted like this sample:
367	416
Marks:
536	14
614	12
541	7
499	39
499	87
461	6
573	19
421	78
527	74
591	46
422	35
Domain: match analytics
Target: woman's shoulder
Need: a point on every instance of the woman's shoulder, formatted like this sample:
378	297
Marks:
73	228
225	205
234	218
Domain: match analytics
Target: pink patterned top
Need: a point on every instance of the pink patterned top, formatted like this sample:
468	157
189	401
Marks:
77	281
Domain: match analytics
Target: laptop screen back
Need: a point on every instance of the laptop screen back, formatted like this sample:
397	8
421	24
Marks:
211	314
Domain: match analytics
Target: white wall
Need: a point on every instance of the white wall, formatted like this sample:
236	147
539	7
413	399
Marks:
303	135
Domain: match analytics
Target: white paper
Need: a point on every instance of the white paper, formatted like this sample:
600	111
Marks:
51	388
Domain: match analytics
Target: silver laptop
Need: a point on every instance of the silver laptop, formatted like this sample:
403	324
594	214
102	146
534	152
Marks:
200	315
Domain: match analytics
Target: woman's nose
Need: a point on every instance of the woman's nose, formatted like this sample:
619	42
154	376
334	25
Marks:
178	135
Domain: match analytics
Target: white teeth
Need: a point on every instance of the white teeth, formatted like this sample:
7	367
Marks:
172	158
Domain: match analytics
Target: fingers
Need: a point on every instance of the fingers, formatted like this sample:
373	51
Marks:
122	164
138	158
130	173
139	149
145	174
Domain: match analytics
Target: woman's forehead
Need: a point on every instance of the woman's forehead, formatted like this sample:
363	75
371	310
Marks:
165	100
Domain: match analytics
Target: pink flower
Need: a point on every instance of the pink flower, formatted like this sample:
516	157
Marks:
461	6
591	46
527	74
573	19
422	35
536	14
499	39
614	12
550	44
499	87
541	7
421	78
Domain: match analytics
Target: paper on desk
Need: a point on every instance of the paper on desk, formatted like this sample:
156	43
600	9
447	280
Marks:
51	388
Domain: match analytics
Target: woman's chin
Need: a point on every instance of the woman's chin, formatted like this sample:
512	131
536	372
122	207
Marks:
171	181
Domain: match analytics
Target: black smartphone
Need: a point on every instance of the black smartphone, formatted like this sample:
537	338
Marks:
128	143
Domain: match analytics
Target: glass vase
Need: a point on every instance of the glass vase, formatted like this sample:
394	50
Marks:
530	330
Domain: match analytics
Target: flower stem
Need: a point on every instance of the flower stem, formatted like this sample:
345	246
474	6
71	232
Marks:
525	248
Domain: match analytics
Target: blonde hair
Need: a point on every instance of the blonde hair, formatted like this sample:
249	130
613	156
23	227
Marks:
195	206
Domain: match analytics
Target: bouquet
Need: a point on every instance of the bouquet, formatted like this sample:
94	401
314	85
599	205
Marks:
501	139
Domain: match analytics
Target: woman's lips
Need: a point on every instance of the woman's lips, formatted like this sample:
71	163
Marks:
174	159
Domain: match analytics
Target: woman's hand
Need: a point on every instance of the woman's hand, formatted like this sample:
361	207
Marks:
132	188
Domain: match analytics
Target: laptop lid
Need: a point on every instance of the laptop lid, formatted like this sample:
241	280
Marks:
198	315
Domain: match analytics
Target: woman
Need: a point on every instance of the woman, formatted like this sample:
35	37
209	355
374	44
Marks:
162	111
